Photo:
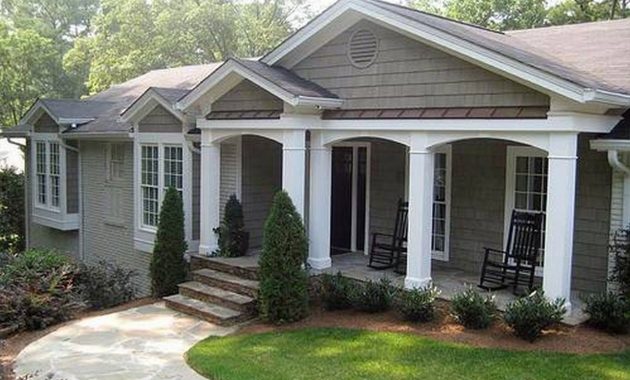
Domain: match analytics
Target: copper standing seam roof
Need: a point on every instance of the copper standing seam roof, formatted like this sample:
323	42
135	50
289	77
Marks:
244	115
441	113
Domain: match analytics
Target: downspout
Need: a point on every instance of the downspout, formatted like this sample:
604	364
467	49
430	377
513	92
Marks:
616	164
191	146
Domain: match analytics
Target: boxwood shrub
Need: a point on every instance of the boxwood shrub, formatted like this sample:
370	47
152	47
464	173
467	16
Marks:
418	304
529	316
473	310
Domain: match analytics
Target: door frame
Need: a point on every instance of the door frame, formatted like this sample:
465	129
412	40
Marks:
355	145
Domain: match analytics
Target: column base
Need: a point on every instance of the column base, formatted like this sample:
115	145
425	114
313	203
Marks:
207	250
320	263
417	283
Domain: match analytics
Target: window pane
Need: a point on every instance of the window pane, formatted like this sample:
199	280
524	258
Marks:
55	172
173	167
40	158
149	185
440	183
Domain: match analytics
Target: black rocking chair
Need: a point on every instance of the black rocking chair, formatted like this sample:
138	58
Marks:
516	265
386	249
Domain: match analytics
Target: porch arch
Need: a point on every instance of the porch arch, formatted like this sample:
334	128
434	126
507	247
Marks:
329	138
220	135
539	141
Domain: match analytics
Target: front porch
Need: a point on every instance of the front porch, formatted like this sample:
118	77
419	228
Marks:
354	265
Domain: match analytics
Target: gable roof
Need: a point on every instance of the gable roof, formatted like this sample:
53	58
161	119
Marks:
166	97
599	48
511	56
277	80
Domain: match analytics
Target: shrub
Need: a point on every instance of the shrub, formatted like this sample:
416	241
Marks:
336	291
609	312
40	303
283	295
530	315
620	247
11	210
473	310
105	284
233	239
418	305
373	296
168	267
31	265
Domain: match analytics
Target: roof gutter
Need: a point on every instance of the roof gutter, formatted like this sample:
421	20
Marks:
607	97
98	136
15	143
319	102
615	163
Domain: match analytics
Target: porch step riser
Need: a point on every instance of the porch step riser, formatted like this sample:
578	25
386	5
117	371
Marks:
246	308
207	263
226	285
205	316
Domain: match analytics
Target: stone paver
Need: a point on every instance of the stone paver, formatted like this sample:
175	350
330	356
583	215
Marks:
147	342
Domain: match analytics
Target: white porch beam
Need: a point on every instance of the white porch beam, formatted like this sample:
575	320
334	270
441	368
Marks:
560	216
294	166
209	193
420	212
319	203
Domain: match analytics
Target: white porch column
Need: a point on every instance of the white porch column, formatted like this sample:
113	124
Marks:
420	213
294	166
209	193
319	203
560	216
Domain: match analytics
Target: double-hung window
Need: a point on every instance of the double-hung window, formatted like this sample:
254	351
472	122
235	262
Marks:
48	182
161	167
441	204
526	184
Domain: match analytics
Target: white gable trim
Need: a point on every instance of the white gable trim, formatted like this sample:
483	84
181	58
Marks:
146	103
486	58
231	67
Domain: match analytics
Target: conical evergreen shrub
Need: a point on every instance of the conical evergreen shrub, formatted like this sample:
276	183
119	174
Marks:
283	293
168	267
233	239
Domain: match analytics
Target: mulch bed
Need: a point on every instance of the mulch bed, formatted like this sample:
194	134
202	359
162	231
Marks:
566	339
12	346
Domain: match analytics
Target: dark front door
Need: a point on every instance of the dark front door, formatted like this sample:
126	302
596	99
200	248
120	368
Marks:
348	192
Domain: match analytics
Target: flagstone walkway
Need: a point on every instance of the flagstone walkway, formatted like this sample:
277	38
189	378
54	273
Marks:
147	342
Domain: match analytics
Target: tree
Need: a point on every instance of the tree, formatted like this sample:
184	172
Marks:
577	11
233	239
283	295
25	71
11	210
168	268
493	14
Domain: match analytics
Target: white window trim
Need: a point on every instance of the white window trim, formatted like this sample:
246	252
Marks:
445	255
510	187
47	139
144	236
46	214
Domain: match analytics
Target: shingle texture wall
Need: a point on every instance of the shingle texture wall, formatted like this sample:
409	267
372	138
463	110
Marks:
407	74
108	228
262	178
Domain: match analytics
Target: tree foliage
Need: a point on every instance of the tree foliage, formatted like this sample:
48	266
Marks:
283	294
233	239
524	14
168	268
11	211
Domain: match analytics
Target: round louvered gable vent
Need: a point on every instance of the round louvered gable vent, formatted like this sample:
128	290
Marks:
362	48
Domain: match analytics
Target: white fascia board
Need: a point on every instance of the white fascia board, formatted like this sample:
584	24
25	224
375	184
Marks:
123	136
453	45
606	145
233	67
149	99
70	121
226	69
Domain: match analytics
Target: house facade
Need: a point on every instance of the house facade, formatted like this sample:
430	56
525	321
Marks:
367	104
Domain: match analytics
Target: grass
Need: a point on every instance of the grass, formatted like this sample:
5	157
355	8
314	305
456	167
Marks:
340	354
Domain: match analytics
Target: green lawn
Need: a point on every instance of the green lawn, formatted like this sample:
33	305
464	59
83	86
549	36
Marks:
341	354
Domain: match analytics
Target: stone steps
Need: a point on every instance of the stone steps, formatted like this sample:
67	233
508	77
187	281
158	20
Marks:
207	311
239	266
227	281
218	296
222	295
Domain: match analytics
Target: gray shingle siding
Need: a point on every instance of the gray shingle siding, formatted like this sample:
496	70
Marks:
108	237
407	73
262	177
45	124
247	96
159	120
72	181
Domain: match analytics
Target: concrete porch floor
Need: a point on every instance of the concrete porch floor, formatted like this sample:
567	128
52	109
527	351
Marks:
448	281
